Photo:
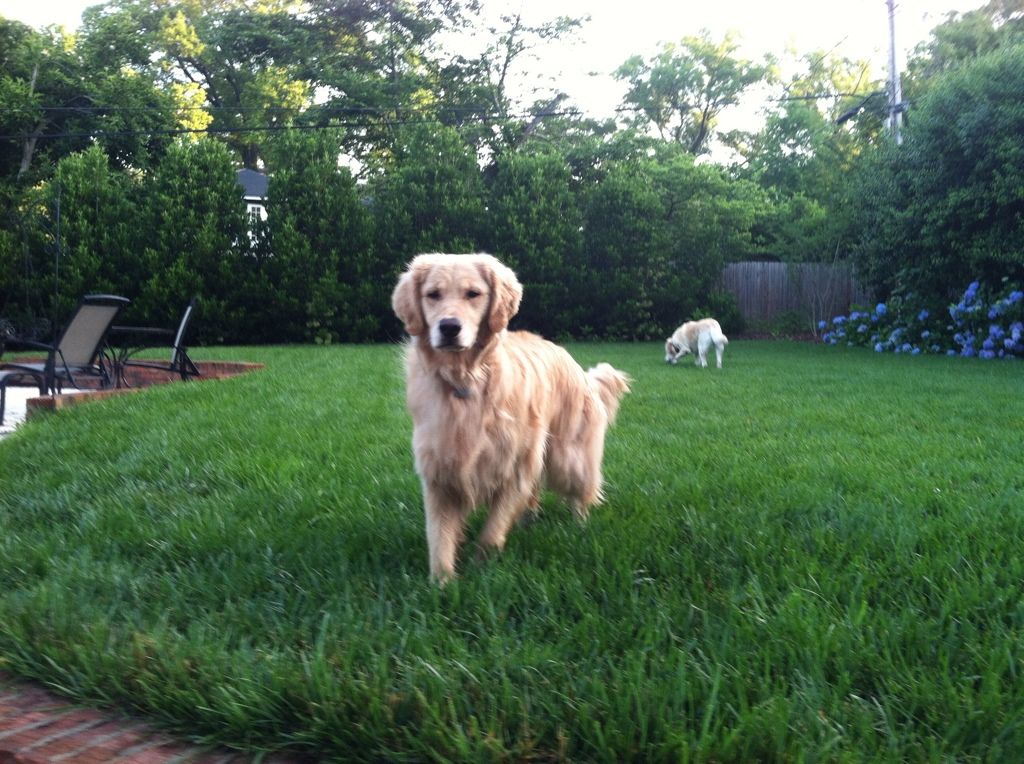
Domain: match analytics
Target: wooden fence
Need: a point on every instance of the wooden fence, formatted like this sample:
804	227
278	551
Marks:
813	291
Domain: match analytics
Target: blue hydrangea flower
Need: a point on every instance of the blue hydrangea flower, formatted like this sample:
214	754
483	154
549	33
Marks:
839	320
880	309
822	324
905	347
923	315
1015	297
987	355
879	347
862	329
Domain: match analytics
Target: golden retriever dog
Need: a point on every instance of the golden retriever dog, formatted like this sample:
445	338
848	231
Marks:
497	415
696	337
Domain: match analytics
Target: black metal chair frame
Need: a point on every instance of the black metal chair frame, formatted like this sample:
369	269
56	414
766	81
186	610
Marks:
89	359
137	338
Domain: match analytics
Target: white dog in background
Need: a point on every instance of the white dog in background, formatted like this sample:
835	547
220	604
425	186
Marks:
696	337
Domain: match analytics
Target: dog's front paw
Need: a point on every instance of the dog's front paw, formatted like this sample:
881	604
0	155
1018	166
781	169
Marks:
485	553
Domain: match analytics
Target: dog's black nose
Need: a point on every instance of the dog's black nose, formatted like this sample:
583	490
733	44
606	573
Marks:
450	328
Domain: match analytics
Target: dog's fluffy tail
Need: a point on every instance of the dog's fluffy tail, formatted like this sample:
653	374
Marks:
718	336
610	384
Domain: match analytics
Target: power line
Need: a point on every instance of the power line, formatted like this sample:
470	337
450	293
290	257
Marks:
365	110
234	109
482	119
467	114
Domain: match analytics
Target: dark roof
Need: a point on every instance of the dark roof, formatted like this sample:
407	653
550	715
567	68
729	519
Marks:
254	184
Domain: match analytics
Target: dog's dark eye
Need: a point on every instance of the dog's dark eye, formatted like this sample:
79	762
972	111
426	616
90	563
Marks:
472	294
434	294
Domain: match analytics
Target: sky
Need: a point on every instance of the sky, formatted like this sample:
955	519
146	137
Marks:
619	29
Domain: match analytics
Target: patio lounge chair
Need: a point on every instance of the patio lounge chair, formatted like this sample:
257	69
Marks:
77	353
128	340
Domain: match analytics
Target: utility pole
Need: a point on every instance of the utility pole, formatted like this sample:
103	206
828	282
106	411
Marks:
895	121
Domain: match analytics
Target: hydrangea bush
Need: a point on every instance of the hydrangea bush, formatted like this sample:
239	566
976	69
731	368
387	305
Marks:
982	324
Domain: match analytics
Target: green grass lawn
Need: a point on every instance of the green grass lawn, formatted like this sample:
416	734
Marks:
812	554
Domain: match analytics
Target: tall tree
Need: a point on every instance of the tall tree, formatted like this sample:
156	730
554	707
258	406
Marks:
377	66
100	236
534	224
708	221
487	91
683	90
946	208
623	248
196	236
829	113
961	38
826	115
324	287
59	99
429	197
247	60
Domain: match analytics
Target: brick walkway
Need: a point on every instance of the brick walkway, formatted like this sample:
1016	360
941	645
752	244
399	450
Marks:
39	728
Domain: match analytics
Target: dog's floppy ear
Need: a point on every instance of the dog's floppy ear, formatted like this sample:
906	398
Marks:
506	292
405	300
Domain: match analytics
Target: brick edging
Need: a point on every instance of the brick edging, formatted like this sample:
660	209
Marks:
140	378
37	727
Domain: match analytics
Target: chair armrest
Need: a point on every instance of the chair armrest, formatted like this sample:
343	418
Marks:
118	329
32	344
136	335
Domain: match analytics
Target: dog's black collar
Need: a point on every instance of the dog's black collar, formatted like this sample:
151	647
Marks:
461	392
